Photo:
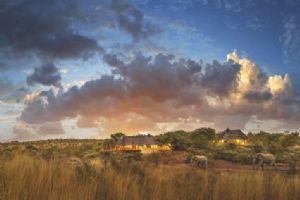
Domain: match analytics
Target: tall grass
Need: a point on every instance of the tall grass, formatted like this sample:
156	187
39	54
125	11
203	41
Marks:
26	177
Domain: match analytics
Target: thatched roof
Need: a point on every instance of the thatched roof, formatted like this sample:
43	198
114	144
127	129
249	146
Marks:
232	134
137	140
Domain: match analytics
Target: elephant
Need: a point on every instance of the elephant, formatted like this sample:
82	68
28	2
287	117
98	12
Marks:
199	161
260	159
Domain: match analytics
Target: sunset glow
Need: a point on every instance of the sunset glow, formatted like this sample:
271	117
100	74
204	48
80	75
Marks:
86	69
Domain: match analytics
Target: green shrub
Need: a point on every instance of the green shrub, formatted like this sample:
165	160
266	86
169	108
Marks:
236	154
257	147
230	146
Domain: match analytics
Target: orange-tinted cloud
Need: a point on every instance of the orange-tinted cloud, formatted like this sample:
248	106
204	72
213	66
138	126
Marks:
146	92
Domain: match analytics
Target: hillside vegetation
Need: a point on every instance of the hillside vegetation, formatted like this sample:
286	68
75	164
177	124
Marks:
78	169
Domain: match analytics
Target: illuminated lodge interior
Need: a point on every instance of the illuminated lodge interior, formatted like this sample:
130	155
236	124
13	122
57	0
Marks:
232	136
142	143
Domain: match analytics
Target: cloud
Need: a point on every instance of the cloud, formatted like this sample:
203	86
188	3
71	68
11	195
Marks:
280	85
143	88
44	28
10	91
254	23
6	86
31	96
160	77
290	38
47	74
50	128
33	30
16	95
256	93
145	92
257	96
131	20
2	67
230	5
220	78
9	111
24	131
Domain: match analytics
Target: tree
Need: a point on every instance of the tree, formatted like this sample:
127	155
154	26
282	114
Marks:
117	136
179	140
209	133
200	138
290	139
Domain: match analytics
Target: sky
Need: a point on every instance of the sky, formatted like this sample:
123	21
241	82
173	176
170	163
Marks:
87	69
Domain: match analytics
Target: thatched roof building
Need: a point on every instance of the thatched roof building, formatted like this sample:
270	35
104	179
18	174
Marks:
232	136
143	143
147	140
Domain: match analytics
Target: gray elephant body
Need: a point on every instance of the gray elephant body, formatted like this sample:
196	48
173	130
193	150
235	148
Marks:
199	161
260	159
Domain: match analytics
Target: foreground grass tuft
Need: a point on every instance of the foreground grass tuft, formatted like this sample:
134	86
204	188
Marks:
27	177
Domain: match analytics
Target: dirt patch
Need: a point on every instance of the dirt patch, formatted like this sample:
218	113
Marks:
175	158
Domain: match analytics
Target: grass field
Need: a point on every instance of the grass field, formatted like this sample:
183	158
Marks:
76	170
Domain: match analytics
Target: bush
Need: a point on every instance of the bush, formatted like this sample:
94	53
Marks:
179	140
289	140
200	138
182	140
230	146
30	147
257	147
275	148
236	155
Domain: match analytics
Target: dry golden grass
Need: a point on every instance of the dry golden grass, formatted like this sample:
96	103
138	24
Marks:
24	176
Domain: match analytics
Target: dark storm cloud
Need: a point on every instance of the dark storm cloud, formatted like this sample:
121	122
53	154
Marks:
43	27
220	78
33	30
131	20
146	91
157	87
258	96
47	74
160	77
48	28
113	60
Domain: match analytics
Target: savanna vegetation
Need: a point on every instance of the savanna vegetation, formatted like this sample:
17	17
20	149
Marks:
79	169
284	146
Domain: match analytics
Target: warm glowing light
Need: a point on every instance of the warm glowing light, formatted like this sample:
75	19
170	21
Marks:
234	141
142	148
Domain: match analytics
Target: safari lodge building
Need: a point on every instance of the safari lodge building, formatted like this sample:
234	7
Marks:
232	136
143	143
